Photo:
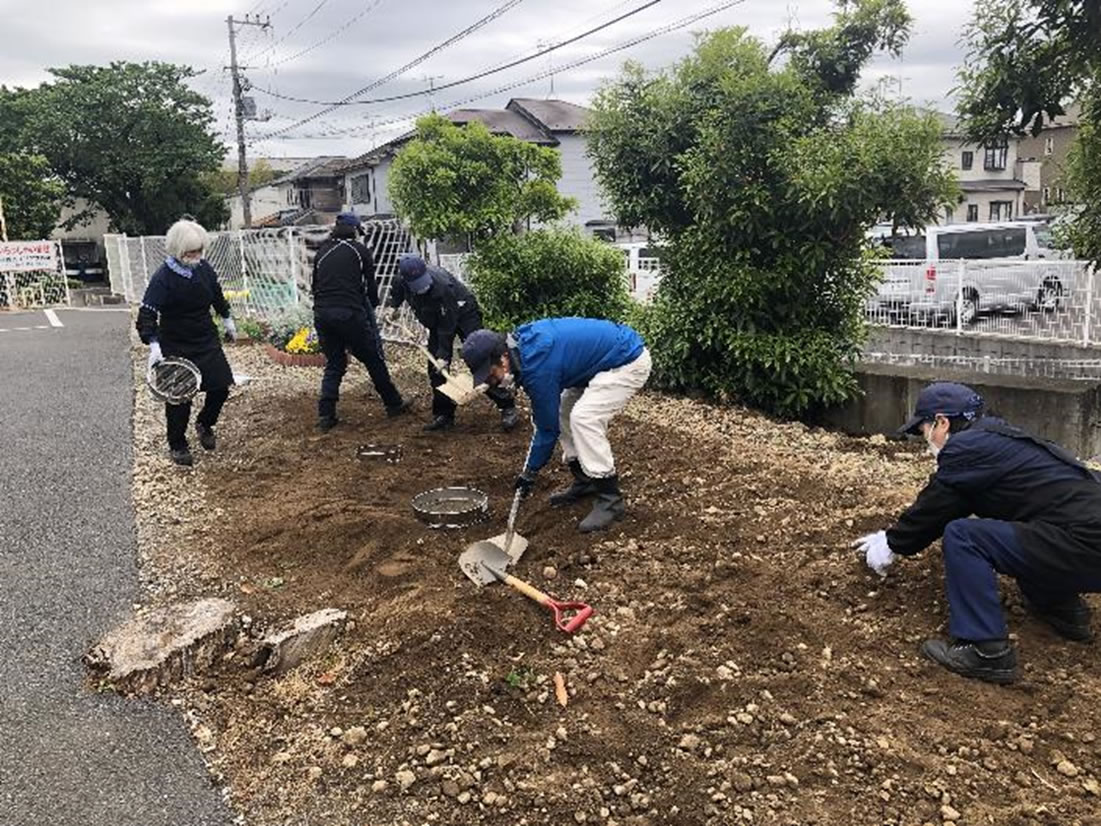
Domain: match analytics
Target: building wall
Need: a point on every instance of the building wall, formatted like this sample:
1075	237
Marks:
954	147
379	202
1051	166
579	181
266	200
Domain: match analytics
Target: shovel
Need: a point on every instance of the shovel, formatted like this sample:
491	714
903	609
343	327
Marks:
484	563
459	388
510	542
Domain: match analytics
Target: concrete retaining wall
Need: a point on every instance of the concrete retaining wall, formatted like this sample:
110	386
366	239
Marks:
1068	412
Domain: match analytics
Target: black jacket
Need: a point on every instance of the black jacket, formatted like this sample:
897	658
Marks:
995	471
441	309
344	276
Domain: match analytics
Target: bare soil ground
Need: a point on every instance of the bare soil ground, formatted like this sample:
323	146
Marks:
743	665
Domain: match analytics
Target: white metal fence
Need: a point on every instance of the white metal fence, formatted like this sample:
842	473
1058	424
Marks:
1040	300
265	273
32	275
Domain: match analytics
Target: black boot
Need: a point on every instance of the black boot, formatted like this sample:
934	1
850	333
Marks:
1070	619
401	407
607	508
206	436
440	423
582	486
509	419
994	661
327	423
181	456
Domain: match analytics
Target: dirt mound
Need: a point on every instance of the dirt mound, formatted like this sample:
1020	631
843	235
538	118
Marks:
743	666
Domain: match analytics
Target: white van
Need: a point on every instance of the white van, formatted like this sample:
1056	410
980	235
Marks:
1003	269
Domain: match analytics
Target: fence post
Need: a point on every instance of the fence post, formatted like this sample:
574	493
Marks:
292	253
64	273
128	276
1089	307
244	268
144	261
960	268
9	282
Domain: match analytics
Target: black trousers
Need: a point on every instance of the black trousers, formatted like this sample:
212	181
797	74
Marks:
178	415
441	405
342	331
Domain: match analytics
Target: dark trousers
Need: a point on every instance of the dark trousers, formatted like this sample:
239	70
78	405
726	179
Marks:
178	415
975	551
441	405
339	332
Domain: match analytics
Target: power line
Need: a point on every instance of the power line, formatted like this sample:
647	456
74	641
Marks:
627	44
371	6
479	75
473	27
293	29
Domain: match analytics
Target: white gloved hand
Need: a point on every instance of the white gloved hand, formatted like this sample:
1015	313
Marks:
155	355
390	314
877	553
230	328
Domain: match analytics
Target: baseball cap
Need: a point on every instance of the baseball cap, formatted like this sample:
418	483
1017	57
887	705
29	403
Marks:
478	352
349	219
414	272
946	398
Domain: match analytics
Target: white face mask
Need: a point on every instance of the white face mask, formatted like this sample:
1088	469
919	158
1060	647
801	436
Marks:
507	383
191	261
934	451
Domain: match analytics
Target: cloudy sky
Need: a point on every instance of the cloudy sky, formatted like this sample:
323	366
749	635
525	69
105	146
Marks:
327	50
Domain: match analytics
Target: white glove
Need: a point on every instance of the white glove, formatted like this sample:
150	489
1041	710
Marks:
877	553
155	355
230	328
389	315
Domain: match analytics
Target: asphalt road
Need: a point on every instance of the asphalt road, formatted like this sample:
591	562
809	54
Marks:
68	574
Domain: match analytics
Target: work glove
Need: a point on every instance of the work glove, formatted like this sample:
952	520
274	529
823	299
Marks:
877	553
155	356
230	328
525	483
389	314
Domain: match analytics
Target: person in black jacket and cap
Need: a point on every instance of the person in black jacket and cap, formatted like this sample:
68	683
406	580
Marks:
345	295
174	320
446	308
1039	522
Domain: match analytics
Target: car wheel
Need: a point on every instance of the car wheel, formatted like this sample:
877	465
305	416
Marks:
1050	296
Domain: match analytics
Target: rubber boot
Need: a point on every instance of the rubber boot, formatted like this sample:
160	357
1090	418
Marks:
607	508
582	486
206	436
440	423
994	661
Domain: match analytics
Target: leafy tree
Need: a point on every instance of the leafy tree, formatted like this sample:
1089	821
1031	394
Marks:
763	180
456	181
547	273
31	194
131	138
1026	60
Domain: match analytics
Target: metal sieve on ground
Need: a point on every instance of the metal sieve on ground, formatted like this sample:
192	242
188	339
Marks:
451	507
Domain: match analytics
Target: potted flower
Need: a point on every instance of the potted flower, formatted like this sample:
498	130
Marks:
292	342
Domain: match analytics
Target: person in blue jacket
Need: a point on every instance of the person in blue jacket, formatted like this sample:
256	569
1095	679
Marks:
1039	521
578	374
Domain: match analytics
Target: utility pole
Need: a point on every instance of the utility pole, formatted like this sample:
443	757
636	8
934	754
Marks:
431	81
239	111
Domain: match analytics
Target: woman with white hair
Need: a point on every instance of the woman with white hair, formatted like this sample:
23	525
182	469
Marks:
174	320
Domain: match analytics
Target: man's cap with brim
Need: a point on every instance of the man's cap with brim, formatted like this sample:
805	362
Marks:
945	398
478	353
349	219
414	273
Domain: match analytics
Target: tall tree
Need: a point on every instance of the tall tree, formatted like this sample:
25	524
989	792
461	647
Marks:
132	138
461	181
764	175
1027	59
32	195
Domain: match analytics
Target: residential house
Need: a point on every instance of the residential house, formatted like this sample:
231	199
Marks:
553	123
1048	152
991	176
311	193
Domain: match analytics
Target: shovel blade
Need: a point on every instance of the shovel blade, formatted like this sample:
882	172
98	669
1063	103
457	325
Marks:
479	558
515	551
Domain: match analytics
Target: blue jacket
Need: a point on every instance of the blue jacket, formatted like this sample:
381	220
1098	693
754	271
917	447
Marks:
558	353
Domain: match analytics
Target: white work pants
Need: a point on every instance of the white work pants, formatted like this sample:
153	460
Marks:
585	412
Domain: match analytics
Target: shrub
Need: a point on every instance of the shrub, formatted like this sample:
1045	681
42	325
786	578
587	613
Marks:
548	273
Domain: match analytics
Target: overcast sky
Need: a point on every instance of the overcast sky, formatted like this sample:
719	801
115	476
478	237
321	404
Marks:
390	33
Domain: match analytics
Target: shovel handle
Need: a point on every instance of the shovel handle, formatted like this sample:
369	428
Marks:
568	616
510	531
530	591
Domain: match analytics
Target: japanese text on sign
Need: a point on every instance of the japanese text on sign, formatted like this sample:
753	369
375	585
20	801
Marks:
27	256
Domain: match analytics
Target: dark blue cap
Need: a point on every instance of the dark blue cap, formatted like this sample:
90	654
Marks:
349	219
478	352
946	398
414	272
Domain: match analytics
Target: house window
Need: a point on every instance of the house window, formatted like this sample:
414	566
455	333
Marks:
1062	194
972	212
1049	146
1001	210
361	189
995	155
1046	196
967	160
947	215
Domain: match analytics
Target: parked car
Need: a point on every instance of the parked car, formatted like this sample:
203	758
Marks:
962	270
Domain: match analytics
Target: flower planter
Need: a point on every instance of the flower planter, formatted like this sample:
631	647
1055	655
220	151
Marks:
295	359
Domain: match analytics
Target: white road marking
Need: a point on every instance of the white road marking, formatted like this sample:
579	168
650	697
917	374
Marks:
4	330
21	328
41	326
51	317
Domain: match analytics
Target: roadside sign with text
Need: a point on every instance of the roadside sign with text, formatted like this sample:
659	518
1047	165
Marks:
27	256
